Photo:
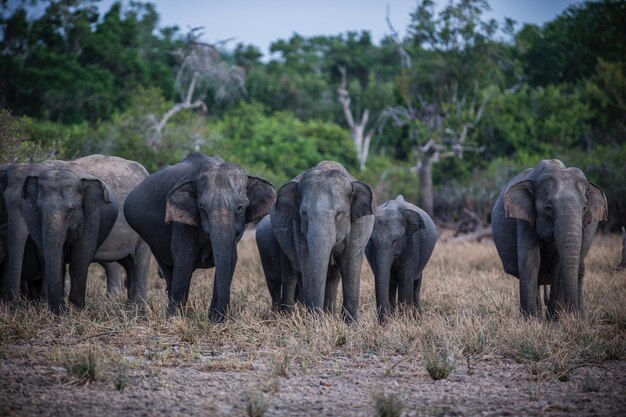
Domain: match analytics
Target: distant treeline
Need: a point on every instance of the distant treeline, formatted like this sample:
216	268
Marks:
478	99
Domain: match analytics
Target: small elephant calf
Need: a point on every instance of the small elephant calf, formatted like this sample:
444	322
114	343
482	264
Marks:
402	241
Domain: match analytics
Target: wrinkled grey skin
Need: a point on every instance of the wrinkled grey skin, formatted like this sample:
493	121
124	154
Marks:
322	220
276	267
123	246
69	213
31	275
402	241
543	225
192	215
21	259
25	255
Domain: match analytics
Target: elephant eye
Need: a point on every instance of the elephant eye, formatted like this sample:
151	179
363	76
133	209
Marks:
339	214
239	209
305	216
548	208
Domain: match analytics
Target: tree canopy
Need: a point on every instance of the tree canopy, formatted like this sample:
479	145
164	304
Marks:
74	80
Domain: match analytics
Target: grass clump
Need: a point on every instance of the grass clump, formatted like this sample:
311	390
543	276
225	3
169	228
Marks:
84	366
439	354
387	405
255	404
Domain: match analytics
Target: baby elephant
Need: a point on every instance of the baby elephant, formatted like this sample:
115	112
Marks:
402	241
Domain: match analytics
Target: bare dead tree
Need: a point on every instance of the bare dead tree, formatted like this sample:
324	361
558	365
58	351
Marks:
360	138
441	140
201	69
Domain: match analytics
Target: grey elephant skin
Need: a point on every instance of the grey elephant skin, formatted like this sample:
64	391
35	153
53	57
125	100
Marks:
544	222
322	220
31	273
401	244
74	215
21	266
192	215
276	268
21	260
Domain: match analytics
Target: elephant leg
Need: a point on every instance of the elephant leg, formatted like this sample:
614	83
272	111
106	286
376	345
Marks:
330	294
137	271
289	279
528	260
393	295
556	296
417	285
166	272
79	269
351	281
114	277
185	252
581	279
214	295
275	289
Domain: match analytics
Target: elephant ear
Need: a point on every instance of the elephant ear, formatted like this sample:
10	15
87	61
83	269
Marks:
363	201
597	207
413	222
182	205
285	217
100	202
519	202
261	194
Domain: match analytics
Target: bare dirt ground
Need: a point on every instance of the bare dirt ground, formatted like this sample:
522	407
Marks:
111	360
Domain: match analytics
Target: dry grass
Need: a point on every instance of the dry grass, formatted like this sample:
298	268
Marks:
469	315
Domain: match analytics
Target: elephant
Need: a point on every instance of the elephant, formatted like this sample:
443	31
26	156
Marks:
192	215
123	246
22	262
401	244
543	223
322	220
74	214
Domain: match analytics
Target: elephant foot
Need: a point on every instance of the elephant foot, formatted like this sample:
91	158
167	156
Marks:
216	316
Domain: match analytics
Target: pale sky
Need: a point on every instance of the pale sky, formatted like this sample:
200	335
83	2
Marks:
260	22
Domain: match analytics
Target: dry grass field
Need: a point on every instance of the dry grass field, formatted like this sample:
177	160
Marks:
468	353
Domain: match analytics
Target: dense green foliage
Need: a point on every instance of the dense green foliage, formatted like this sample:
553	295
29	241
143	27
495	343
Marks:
75	81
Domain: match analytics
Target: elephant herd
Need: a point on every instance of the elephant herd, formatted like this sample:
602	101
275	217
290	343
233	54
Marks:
312	233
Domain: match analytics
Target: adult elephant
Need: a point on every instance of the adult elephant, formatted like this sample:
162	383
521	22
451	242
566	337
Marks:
123	246
322	220
402	241
79	206
69	213
543	225
192	215
21	259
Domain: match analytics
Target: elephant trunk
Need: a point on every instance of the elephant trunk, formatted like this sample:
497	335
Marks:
224	243
568	238
320	242
381	264
54	235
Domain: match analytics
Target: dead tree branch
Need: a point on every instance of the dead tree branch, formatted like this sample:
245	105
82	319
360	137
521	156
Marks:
357	128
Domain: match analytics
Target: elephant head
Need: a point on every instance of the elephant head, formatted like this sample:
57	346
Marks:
314	222
559	203
392	235
69	213
220	199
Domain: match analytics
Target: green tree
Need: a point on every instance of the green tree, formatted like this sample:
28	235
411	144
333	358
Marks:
566	49
449	62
